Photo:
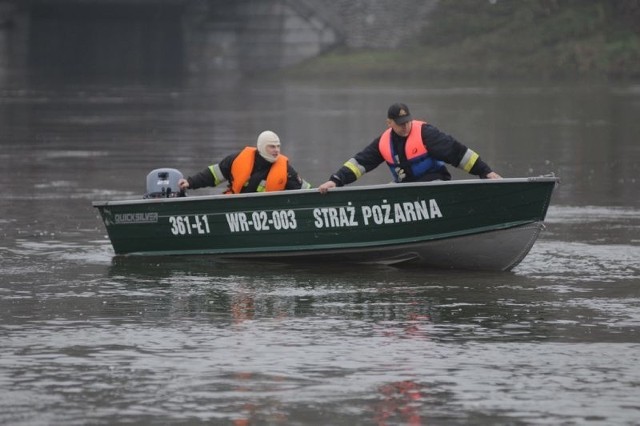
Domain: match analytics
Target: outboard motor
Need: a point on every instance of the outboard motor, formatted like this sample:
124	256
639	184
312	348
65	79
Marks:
163	183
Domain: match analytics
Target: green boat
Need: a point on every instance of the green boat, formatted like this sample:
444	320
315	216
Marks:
466	224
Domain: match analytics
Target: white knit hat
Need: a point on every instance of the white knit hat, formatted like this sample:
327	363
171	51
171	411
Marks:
267	138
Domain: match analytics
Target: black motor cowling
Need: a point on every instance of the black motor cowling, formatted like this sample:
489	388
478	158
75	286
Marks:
163	183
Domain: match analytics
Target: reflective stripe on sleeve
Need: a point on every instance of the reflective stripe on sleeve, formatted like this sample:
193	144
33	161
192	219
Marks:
218	177
355	167
305	185
468	160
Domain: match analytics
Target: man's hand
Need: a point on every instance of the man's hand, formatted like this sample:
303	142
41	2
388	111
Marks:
493	175
183	184
325	187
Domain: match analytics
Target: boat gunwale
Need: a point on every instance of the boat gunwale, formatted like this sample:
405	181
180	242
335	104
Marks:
360	188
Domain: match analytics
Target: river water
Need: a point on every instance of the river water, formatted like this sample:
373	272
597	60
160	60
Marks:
88	338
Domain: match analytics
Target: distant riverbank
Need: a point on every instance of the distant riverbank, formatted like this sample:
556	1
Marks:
528	39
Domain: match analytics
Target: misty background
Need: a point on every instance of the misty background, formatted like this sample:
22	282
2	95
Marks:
145	41
94	94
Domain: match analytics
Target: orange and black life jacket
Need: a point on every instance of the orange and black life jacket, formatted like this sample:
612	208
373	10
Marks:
418	159
242	167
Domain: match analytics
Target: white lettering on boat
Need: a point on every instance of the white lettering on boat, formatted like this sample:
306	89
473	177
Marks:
376	214
335	217
187	225
348	216
237	221
125	218
262	221
385	214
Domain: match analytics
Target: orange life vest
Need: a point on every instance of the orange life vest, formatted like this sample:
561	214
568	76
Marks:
418	159
413	148
242	167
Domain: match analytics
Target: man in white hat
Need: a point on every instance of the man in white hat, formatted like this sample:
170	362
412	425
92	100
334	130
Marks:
258	169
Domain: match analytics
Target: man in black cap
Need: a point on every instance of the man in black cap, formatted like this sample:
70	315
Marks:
415	151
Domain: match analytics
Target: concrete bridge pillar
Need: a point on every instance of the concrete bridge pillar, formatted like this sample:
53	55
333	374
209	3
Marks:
252	36
156	38
13	40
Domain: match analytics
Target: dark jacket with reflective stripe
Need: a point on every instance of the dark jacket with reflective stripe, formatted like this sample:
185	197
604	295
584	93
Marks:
440	145
260	171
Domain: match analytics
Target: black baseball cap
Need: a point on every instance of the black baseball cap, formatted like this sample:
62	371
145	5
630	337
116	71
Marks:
399	113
